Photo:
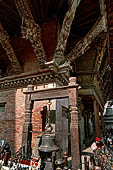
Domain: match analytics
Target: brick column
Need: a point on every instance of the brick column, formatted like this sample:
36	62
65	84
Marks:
96	113
27	135
74	126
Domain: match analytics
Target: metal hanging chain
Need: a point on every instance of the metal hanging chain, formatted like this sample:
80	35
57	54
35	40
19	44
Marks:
48	127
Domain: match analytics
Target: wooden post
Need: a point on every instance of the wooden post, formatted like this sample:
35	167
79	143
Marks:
102	120
74	126
96	113
27	135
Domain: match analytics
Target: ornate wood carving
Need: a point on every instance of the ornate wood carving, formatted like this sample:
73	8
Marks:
36	79
83	45
26	135
65	30
51	93
103	8
101	51
15	67
31	30
105	69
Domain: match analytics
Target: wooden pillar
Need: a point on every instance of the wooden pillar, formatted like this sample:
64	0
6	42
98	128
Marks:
102	120
74	126
27	128
96	113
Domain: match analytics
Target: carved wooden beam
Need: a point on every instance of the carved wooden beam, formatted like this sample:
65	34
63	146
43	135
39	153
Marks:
103	7
31	30
59	57
15	67
101	51
83	45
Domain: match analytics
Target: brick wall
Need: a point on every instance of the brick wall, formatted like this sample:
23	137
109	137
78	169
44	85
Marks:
7	118
25	55
12	120
49	37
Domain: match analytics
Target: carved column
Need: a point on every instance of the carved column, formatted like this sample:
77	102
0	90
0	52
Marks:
27	134
96	114
74	126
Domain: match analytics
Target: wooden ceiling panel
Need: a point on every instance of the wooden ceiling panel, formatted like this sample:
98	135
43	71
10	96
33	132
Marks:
86	15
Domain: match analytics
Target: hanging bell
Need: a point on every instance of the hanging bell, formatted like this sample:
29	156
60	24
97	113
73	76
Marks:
48	144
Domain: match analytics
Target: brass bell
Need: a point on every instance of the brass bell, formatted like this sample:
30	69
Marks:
48	144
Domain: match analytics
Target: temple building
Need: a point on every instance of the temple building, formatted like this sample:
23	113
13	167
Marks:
57	52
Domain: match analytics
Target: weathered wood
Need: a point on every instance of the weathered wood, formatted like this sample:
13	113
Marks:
54	94
96	114
27	128
83	45
102	7
31	31
51	93
15	67
65	30
101	51
74	126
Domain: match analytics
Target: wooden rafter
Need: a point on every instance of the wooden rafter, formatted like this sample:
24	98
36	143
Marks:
83	45
15	67
59	57
31	30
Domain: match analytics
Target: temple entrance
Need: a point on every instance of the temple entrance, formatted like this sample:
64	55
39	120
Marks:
58	93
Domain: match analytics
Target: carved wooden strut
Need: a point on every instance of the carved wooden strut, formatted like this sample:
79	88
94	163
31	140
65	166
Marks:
59	57
31	30
101	52
14	67
83	45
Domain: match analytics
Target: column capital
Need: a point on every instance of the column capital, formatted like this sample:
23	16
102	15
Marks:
72	81
30	88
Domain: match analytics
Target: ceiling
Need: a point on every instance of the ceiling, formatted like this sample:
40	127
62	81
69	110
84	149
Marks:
43	11
86	15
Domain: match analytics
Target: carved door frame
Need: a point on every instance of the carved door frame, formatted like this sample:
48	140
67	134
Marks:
71	92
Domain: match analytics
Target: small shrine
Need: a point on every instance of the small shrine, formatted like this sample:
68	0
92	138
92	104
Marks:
108	117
